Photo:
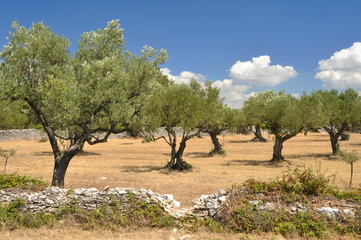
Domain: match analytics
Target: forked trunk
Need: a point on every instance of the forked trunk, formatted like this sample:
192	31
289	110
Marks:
335	133
62	162
217	147
258	135
277	149
176	162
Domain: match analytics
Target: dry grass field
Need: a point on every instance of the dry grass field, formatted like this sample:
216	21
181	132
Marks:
130	163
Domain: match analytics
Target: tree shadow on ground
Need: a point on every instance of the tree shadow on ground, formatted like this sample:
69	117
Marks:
354	144
323	156
263	163
80	154
127	143
240	141
141	169
43	153
198	154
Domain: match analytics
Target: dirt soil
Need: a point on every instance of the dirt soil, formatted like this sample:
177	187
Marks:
128	162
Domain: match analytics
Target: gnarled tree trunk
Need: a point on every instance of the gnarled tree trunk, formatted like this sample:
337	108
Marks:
176	162
334	134
61	159
217	147
277	149
258	135
62	162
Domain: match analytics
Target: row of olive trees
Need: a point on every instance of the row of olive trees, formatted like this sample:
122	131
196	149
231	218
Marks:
104	88
285	115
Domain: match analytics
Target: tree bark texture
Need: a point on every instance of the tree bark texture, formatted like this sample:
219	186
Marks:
277	149
61	163
61	159
217	147
258	135
176	162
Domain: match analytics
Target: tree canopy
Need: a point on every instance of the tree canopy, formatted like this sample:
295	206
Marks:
179	109
99	88
336	112
283	113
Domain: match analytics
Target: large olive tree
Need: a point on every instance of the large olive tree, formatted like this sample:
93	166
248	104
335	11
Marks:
218	117
283	114
76	96
179	110
336	112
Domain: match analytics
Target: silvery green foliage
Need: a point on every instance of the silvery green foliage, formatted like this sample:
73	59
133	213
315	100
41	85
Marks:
282	113
99	87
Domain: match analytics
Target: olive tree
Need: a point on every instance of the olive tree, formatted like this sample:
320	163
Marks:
336	112
283	113
218	117
178	109
77	96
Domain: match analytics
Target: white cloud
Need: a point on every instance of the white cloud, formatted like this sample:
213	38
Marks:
183	77
234	94
343	69
259	72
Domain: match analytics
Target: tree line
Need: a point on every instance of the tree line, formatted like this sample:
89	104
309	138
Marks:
104	88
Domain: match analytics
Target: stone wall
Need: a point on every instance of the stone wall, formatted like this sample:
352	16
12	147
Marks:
52	198
21	134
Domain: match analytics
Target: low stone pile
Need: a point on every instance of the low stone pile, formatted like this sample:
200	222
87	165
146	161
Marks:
21	134
52	198
207	205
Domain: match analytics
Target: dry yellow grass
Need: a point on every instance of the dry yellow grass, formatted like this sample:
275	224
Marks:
131	163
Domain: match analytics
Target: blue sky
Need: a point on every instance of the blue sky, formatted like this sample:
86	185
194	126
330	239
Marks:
243	46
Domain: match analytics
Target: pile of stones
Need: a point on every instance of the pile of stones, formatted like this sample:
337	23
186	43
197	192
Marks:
52	198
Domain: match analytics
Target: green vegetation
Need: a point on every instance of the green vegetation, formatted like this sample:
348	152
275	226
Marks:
113	215
349	158
6	154
17	181
238	215
285	115
99	88
294	186
171	107
336	112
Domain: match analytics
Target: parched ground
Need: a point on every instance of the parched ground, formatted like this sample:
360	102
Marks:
128	162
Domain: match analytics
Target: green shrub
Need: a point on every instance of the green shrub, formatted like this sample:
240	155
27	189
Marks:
17	181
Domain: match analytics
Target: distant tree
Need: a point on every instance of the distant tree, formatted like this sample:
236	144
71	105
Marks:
336	112
218	117
6	154
282	112
179	109
97	90
12	115
349	158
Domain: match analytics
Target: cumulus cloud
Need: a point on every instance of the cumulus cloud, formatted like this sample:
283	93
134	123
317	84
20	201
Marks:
244	75
234	94
259	72
343	69
183	77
